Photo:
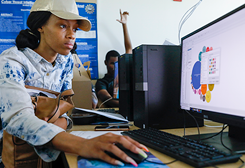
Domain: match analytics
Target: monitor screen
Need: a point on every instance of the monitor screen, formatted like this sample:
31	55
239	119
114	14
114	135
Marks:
212	70
116	82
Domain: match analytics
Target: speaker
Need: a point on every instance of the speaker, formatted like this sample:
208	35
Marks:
125	86
156	88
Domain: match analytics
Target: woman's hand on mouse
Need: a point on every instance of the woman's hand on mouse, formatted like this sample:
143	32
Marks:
95	147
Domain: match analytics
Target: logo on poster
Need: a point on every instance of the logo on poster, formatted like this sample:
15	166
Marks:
89	9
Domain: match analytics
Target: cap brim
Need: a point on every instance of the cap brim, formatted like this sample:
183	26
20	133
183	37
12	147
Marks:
84	23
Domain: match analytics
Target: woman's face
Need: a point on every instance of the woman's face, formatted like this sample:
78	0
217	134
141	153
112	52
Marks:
57	36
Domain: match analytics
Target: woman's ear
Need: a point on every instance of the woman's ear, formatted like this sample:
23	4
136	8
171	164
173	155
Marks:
40	29
105	62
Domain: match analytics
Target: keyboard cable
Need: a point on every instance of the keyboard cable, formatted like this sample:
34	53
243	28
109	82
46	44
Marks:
161	163
171	162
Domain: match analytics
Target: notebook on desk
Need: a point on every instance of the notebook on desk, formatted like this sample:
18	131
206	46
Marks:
113	116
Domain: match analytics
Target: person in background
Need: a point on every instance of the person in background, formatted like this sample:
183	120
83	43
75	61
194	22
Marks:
42	58
104	86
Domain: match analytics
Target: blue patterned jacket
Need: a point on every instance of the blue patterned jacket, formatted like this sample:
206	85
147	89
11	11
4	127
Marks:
25	67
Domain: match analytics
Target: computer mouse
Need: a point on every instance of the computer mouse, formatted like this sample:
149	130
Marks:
136	157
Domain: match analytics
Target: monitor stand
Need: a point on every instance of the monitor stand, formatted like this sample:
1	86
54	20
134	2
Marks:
234	140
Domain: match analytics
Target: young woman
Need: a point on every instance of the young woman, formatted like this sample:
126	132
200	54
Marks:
42	58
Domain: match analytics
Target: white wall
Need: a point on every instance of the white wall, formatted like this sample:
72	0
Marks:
152	21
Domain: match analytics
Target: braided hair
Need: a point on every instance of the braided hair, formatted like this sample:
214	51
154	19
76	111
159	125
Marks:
31	37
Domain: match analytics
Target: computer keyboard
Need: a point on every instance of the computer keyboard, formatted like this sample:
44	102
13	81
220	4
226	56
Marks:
192	152
108	110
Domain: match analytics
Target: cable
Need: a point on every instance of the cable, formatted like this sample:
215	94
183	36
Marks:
186	16
216	133
105	102
171	162
221	140
224	127
159	163
184	121
182	22
199	138
242	164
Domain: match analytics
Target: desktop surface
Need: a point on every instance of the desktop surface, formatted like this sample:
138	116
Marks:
72	159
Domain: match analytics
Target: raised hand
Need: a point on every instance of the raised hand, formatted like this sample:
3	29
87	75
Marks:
123	16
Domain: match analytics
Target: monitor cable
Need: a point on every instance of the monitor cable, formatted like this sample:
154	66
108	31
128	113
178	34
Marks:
186	16
221	140
224	127
198	129
184	121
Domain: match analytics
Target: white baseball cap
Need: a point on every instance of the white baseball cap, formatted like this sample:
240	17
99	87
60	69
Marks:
64	9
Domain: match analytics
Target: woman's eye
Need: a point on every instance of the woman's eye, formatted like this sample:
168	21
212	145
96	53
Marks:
75	30
62	26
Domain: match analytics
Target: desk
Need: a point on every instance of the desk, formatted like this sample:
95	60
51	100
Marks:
72	159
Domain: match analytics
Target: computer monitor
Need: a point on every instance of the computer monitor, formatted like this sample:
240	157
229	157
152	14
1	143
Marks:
212	75
116	82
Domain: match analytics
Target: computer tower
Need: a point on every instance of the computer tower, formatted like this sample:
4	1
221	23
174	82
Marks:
125	86
156	90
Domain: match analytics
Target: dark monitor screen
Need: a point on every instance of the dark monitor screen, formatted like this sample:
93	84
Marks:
212	72
116	82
